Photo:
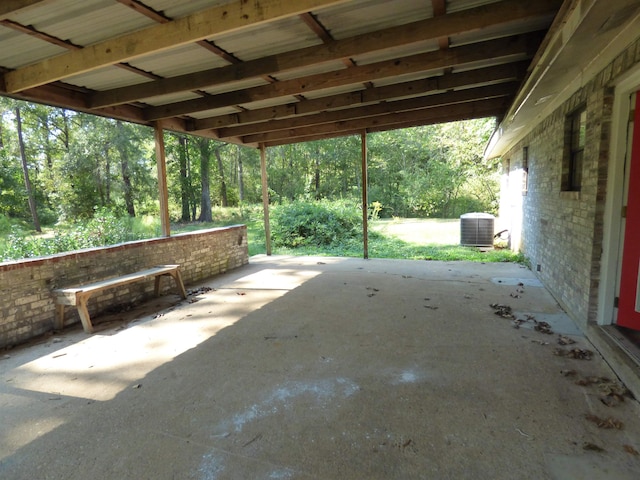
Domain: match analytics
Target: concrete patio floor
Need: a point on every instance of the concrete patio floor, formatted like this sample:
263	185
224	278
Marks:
321	368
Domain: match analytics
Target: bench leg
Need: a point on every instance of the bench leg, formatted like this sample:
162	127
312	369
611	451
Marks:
179	285
83	311
59	323
178	278
157	287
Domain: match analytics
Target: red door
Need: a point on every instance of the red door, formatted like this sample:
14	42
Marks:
629	300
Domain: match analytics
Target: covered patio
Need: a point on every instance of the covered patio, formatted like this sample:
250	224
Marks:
324	368
341	368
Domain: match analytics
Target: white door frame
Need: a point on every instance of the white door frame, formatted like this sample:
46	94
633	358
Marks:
612	240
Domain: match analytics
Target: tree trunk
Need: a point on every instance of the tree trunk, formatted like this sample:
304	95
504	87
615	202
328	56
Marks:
223	184
184	179
25	171
65	121
205	196
316	179
240	176
126	175
193	200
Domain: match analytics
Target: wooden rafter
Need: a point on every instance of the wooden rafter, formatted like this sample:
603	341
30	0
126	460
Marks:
482	76
415	85
383	108
195	27
440	9
428	29
519	47
463	111
30	30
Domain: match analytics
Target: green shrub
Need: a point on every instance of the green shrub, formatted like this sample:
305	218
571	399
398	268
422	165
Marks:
5	224
105	228
323	223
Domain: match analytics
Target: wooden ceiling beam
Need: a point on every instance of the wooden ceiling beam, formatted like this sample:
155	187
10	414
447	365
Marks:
514	48
192	28
429	29
425	115
383	108
470	78
466	111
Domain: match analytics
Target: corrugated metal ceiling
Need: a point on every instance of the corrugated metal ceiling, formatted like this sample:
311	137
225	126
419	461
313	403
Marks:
294	55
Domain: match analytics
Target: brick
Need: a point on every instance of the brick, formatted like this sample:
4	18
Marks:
29	309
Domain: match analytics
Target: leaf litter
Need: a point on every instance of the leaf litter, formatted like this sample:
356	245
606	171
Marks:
607	423
576	353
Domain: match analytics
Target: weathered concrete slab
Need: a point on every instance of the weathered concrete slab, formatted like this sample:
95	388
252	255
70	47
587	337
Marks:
320	368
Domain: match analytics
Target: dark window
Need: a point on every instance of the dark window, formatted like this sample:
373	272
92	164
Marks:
574	150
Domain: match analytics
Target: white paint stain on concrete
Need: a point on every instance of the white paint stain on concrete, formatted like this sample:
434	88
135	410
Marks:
211	466
279	400
282	474
405	376
408	377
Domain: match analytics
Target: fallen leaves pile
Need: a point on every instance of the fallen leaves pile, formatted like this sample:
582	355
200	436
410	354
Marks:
611	393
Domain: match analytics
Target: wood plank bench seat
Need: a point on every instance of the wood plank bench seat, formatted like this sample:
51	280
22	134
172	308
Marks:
79	296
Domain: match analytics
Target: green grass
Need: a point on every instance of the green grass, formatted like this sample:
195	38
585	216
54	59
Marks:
388	247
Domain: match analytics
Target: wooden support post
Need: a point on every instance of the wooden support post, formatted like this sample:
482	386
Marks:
365	199
162	179
265	197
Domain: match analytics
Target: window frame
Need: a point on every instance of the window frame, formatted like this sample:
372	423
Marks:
575	141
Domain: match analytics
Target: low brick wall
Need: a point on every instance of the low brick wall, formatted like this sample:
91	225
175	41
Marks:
26	303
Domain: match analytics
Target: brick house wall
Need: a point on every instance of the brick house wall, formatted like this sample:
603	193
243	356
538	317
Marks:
561	232
27	308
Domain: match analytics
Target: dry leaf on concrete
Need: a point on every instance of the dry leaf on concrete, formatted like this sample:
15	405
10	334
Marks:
592	447
577	353
631	450
564	340
503	311
608	423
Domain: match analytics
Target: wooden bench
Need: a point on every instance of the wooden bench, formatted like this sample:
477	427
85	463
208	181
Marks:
79	296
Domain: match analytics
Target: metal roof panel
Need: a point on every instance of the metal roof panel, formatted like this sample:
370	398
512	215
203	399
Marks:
270	102
20	50
362	16
239	85
334	91
174	97
500	31
311	70
179	61
83	22
215	112
105	78
399	52
283	35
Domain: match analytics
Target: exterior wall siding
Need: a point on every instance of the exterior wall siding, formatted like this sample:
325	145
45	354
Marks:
27	308
561	232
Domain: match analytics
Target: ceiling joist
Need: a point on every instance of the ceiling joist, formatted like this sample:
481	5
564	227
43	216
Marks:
405	63
425	30
520	47
488	75
383	108
195	27
447	113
